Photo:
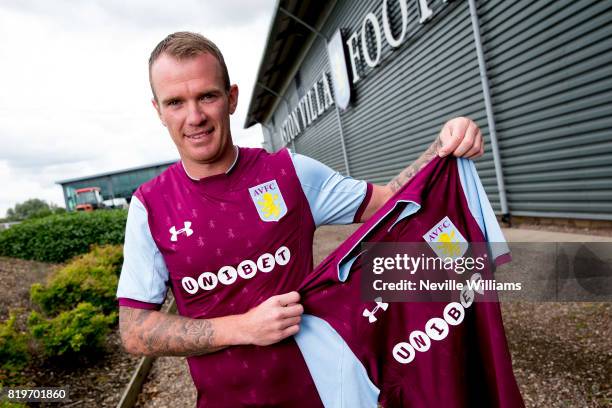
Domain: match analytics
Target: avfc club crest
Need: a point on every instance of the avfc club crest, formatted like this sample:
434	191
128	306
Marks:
268	201
446	240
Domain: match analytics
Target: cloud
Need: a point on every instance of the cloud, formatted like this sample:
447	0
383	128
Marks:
143	14
17	188
75	97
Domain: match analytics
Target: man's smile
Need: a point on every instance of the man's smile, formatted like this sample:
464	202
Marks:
200	134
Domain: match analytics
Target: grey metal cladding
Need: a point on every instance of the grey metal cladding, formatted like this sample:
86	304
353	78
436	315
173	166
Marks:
550	72
321	139
400	106
279	116
550	67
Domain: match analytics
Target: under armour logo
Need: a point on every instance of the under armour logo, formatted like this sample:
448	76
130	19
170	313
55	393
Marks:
186	230
371	314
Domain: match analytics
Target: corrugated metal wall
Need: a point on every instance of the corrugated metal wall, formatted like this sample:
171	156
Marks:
321	139
549	64
400	106
550	67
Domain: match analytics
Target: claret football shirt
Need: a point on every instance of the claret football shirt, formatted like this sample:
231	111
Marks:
332	198
350	362
411	354
224	244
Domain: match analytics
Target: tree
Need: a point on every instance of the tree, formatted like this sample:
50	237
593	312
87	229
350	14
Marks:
32	208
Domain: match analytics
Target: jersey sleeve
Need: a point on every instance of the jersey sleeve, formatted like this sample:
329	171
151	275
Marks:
144	276
481	210
333	198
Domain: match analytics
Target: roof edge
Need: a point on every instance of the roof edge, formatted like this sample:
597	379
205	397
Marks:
325	13
112	173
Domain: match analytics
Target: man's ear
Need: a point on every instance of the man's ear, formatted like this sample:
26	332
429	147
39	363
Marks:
156	106
233	98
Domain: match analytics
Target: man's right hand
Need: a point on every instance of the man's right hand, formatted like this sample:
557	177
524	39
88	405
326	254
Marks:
273	320
152	333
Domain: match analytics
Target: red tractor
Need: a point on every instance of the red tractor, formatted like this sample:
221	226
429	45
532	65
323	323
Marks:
88	199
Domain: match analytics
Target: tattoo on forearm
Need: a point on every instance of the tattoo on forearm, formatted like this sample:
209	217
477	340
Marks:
154	333
409	172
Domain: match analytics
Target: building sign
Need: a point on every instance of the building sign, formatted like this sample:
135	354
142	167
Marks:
310	107
374	31
339	73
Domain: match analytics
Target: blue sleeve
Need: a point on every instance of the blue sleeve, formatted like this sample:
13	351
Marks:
340	378
144	274
481	209
333	198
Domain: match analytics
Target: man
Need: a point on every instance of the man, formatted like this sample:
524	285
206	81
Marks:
230	230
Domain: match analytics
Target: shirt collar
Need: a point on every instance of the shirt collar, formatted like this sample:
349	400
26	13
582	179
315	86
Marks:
236	149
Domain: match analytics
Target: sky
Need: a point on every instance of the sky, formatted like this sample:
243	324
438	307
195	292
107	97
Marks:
74	92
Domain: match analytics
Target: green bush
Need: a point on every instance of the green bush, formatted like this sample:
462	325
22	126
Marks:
92	278
14	354
57	238
79	330
7	404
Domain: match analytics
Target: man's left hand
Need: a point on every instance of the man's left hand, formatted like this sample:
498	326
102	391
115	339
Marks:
461	137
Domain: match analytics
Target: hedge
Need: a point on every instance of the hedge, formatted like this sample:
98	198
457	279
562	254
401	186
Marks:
57	238
76	311
8	404
92	278
14	354
79	330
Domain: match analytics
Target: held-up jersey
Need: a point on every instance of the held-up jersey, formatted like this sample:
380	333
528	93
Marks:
349	368
225	244
429	354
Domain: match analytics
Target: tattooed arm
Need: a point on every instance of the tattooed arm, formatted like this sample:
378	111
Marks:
153	333
459	137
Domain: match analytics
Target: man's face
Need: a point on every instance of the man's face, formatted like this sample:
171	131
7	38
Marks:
193	104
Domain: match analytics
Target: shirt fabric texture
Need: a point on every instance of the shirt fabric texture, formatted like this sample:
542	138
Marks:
257	244
339	359
462	360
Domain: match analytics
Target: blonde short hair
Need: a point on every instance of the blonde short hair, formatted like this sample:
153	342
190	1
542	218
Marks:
183	45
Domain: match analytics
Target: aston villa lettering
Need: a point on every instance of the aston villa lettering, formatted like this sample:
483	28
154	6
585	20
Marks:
364	47
310	107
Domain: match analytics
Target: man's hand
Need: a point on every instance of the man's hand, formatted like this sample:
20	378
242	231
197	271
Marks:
273	320
461	138
152	333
